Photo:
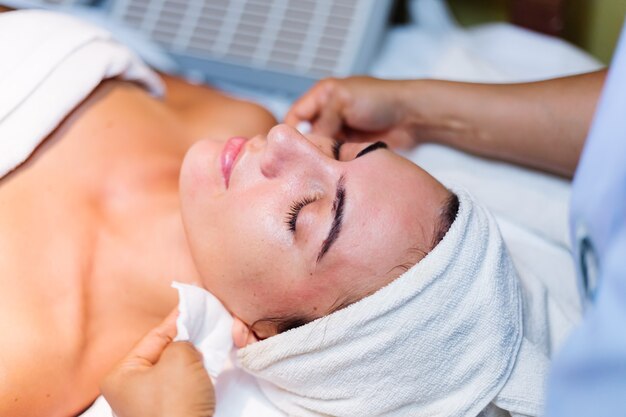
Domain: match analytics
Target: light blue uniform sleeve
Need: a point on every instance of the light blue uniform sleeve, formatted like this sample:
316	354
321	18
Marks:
589	374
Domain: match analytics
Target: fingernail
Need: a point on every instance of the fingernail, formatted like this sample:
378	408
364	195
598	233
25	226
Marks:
304	127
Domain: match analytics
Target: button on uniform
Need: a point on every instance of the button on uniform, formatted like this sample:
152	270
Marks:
588	269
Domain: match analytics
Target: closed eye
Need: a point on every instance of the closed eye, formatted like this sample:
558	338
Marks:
291	219
337	148
372	147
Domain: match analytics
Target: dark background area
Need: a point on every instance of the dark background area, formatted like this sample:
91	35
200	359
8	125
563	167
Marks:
594	25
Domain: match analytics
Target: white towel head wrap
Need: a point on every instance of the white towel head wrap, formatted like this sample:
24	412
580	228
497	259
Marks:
443	339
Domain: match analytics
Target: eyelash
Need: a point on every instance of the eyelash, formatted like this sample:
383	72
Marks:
372	147
294	210
336	149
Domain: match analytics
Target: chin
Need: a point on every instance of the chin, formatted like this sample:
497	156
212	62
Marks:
200	173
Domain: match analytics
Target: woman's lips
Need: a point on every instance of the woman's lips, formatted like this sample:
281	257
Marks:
229	155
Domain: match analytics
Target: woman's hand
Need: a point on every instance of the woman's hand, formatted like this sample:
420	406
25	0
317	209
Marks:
357	109
160	378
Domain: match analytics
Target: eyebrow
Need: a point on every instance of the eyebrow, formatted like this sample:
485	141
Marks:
337	210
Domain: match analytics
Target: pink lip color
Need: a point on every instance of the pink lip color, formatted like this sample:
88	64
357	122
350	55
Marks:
229	155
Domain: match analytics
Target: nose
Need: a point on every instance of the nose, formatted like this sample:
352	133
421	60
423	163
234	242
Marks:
287	150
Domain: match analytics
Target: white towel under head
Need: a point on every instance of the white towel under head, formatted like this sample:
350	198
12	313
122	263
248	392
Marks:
444	339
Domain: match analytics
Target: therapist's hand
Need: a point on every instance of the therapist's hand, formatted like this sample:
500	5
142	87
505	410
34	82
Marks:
160	378
357	109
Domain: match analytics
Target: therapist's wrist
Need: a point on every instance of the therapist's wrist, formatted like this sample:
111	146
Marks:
434	113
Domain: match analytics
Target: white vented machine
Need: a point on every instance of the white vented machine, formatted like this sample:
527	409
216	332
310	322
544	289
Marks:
279	44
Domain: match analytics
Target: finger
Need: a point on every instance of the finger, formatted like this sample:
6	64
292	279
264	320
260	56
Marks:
357	136
242	336
394	139
179	354
239	332
306	107
149	349
295	117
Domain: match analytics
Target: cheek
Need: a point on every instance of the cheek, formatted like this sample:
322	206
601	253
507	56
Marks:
270	283
243	250
250	267
261	293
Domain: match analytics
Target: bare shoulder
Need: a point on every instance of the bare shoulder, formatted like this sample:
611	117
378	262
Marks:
206	109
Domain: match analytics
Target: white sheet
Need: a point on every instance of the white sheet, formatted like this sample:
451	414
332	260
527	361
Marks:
531	207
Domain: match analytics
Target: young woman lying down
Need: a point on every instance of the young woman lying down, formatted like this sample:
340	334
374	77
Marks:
360	284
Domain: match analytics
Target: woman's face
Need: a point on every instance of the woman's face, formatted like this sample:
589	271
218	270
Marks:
292	232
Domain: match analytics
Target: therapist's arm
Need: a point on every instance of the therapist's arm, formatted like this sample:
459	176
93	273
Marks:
542	124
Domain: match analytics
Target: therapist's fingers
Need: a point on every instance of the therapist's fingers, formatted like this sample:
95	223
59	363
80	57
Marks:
176	385
394	138
321	106
307	107
329	121
179	354
242	335
148	350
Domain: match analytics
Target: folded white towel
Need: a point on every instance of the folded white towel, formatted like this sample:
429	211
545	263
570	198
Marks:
444	339
49	63
203	321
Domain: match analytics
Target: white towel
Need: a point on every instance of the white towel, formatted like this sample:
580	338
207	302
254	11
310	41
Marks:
203	321
444	339
49	63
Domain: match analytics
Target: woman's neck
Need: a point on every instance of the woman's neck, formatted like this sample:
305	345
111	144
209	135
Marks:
142	249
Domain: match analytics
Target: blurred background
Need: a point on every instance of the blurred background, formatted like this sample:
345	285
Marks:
287	45
593	25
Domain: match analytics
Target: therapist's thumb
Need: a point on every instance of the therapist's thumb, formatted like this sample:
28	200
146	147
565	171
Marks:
160	378
180	354
148	350
322	106
130	387
189	390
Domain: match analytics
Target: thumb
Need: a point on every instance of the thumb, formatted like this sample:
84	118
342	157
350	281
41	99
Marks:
147	351
180	354
308	106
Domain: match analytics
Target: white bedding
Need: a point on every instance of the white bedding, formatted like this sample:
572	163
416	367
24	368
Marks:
531	208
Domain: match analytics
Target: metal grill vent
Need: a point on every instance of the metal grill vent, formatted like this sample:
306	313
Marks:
52	2
309	38
280	44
